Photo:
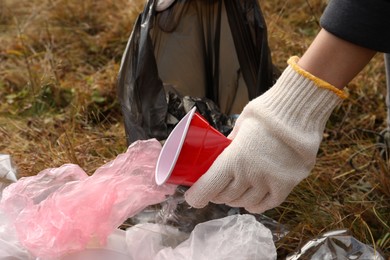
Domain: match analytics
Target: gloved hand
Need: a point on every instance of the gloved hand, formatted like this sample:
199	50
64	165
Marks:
275	143
163	4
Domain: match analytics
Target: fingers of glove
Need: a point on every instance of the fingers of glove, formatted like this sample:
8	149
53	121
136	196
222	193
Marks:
209	185
261	207
163	4
270	201
252	197
236	188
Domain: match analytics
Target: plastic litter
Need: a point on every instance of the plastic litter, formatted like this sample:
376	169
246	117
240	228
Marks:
207	49
175	212
10	247
7	172
168	229
152	238
209	240
30	191
69	217
115	249
97	254
336	244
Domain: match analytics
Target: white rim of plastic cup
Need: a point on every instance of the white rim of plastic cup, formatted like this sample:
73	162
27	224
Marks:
171	150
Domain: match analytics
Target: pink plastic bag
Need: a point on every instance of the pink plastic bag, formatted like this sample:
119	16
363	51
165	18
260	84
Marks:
83	213
32	190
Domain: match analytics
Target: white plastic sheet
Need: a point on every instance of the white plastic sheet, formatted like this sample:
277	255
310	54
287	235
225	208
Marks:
7	172
115	249
10	247
236	237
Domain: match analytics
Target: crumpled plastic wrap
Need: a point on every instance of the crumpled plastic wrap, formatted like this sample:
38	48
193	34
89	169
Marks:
69	215
35	189
336	244
234	237
7	172
10	247
176	212
209	240
115	249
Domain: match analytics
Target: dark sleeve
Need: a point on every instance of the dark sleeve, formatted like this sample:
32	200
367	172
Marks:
363	22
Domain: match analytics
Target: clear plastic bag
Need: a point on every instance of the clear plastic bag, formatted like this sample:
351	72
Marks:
115	249
233	237
7	172
176	212
337	244
236	237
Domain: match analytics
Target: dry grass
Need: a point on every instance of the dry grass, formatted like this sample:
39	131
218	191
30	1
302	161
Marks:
58	65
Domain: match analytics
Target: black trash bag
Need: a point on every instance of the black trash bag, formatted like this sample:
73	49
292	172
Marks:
213	49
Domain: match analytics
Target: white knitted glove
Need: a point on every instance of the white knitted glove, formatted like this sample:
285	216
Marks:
163	4
275	144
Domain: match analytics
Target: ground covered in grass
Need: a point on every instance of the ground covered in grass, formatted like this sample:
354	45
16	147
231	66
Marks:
59	61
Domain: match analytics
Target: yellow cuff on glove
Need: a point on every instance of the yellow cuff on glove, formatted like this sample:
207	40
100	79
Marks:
317	81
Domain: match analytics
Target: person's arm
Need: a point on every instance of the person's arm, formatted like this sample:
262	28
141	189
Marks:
334	60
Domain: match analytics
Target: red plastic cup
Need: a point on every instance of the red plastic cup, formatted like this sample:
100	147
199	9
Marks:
189	151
